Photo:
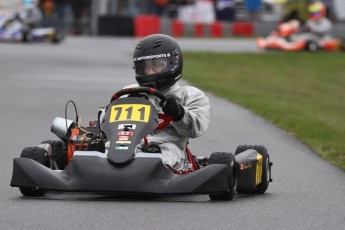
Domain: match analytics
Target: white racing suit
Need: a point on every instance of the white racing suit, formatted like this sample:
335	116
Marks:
173	139
316	30
319	27
30	17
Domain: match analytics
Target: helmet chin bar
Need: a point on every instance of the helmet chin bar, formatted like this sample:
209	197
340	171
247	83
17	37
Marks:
149	84
161	83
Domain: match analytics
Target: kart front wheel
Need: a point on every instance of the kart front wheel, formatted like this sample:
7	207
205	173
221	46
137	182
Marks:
229	160
59	152
57	37
41	156
266	167
342	45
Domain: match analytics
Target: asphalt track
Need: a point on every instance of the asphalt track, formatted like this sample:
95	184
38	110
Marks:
37	80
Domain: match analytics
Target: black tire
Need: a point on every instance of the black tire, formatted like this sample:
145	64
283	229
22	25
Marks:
343	45
41	156
266	167
57	37
59	152
312	46
229	160
27	37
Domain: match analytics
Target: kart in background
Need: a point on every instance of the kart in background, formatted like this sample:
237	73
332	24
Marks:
291	37
81	161
300	42
12	29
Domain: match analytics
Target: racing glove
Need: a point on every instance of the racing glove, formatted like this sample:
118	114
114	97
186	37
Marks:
172	108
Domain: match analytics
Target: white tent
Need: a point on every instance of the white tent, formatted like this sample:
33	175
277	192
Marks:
339	9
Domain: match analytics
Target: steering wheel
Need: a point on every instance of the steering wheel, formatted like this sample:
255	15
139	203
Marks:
150	91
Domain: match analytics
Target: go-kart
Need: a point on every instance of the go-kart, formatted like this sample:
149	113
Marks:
12	29
292	37
102	158
300	42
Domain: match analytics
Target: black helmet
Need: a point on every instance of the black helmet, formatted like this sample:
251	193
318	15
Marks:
158	61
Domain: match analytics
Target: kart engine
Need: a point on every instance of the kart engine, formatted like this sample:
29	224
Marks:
78	138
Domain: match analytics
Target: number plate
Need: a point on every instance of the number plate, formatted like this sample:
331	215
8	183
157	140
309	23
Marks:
129	112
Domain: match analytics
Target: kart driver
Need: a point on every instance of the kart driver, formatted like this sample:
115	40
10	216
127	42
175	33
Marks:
317	23
29	15
158	63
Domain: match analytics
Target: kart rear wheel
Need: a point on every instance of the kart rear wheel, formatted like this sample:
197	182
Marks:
26	37
59	152
313	46
41	156
266	168
229	160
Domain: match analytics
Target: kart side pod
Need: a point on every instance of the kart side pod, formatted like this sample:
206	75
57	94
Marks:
249	166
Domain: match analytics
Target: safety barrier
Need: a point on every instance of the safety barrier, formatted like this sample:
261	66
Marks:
143	25
149	24
146	24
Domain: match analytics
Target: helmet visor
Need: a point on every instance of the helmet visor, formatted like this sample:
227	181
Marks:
151	66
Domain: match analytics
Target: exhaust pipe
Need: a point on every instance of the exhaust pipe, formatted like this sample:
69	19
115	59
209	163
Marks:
61	126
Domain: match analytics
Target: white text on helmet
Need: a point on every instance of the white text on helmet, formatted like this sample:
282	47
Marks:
151	57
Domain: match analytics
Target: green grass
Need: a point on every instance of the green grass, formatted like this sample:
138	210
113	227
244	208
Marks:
303	93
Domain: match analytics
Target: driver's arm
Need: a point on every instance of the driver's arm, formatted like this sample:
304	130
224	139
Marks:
197	114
